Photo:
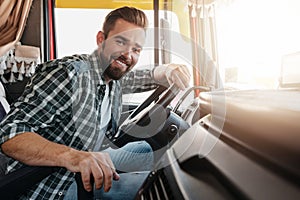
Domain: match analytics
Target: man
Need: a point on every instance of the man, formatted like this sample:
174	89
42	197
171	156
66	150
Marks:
71	103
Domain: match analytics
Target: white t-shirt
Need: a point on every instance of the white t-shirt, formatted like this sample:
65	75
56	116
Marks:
105	117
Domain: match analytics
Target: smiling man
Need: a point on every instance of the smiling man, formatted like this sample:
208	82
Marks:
72	103
120	52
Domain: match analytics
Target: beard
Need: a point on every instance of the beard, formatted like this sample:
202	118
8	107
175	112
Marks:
114	73
111	68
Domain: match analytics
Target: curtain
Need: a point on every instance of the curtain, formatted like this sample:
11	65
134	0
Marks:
202	24
13	16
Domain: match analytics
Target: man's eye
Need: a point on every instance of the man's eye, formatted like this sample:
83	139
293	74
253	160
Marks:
120	42
137	50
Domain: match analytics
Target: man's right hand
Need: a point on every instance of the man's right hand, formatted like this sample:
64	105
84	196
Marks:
92	164
32	149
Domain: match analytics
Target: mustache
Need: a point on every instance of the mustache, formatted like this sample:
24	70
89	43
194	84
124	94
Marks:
123	59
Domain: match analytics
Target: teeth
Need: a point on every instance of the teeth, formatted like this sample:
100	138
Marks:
121	63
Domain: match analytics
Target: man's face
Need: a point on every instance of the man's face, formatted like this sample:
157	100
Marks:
120	51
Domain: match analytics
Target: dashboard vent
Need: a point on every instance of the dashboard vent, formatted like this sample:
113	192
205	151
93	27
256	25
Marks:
157	188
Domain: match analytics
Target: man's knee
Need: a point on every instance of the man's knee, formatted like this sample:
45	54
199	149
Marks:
138	147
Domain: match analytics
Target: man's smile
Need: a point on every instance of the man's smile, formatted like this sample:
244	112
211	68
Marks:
121	62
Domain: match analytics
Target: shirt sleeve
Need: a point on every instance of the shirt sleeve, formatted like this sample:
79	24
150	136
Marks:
138	81
45	103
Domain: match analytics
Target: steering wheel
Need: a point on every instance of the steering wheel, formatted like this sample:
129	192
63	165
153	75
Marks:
147	121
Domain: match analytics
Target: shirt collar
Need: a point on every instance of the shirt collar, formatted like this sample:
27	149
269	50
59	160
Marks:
98	71
97	68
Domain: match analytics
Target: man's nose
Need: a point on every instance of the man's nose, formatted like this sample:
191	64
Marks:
127	53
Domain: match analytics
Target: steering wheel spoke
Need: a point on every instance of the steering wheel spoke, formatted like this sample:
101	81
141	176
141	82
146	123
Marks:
147	121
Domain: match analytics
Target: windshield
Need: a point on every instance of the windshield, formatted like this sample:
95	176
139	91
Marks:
258	42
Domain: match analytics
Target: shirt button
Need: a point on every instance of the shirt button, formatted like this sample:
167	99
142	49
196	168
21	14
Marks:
60	193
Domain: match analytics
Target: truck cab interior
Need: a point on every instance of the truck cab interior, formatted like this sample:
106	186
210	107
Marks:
233	134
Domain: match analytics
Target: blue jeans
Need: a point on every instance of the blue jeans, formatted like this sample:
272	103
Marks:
133	157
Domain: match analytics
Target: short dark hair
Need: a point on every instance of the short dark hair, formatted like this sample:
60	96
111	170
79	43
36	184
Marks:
129	14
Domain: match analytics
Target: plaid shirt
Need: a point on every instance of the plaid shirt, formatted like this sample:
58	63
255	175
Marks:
62	103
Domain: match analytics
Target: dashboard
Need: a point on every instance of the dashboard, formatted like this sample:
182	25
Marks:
244	145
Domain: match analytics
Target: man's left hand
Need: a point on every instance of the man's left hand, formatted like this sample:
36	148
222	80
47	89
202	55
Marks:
172	73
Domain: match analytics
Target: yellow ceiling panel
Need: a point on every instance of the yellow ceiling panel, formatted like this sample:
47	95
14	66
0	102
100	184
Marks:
105	4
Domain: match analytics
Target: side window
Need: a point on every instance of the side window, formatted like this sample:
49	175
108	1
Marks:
76	30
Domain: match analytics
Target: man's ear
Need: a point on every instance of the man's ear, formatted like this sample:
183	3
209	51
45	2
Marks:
100	38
